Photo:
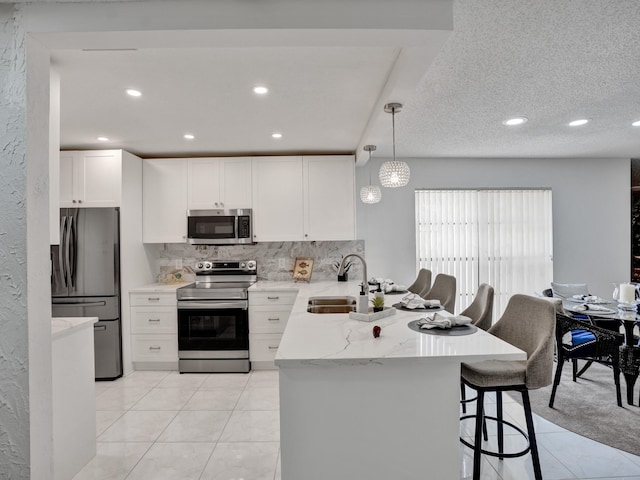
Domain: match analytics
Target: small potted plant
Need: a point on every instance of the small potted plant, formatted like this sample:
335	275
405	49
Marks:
378	304
347	266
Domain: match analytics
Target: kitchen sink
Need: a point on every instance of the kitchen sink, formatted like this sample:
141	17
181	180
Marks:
344	304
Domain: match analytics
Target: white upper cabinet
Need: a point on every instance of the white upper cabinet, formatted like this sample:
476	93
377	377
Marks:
304	198
164	200
329	186
91	178
277	199
219	182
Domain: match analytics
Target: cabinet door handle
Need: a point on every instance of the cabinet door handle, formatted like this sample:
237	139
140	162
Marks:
273	298
73	201
155	347
154	319
79	201
153	299
277	319
273	348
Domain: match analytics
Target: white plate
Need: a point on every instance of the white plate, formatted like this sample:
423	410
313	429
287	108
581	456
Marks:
600	311
599	301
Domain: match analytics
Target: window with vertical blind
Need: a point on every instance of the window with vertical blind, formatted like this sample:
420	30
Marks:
500	237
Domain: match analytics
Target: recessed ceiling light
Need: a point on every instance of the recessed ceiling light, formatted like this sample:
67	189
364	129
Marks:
510	122
134	93
636	123
103	139
577	123
189	136
260	90
276	135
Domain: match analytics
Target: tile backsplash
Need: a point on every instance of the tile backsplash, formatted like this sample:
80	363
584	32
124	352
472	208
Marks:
275	259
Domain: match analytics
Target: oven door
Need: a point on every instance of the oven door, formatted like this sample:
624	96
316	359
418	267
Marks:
221	326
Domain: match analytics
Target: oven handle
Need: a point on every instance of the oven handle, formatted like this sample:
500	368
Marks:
215	305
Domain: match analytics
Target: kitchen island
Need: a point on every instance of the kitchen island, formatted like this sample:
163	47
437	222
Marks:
74	397
357	407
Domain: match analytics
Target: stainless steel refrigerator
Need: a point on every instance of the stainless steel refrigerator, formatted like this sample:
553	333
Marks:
85	279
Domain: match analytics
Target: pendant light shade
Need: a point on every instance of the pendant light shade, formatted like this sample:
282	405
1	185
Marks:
394	173
370	193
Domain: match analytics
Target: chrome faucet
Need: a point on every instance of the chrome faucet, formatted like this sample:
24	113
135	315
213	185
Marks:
364	266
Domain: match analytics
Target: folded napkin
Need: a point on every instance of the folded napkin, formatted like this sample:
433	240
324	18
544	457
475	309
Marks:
587	298
590	307
413	301
392	287
440	321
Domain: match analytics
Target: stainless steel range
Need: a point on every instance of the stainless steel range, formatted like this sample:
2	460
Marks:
213	318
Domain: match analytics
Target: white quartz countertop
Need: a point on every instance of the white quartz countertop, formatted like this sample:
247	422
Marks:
159	287
332	339
61	326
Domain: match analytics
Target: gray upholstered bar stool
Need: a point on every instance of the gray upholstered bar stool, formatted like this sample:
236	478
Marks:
422	283
481	314
529	324
481	309
443	289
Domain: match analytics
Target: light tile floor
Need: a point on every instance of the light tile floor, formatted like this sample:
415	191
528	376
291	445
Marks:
163	425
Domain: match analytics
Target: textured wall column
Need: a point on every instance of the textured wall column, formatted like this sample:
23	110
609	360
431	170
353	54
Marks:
14	365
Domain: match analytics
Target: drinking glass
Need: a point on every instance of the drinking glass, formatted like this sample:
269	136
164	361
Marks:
616	292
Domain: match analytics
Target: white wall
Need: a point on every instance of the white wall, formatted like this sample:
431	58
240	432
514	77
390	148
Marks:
14	299
591	213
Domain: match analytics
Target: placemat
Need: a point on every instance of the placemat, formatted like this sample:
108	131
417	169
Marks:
399	306
451	332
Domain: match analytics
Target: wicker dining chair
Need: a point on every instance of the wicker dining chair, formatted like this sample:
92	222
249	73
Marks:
578	339
422	282
443	289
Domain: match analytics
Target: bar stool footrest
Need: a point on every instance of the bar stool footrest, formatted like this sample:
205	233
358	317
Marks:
497	454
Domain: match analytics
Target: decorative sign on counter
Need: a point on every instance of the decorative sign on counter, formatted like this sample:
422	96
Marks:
302	269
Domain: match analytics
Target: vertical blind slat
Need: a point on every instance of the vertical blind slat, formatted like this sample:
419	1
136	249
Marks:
500	237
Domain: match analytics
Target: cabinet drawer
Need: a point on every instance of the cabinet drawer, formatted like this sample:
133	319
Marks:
142	299
158	348
263	346
268	318
272	298
154	320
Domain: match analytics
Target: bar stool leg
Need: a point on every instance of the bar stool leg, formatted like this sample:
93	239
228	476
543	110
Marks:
500	425
532	435
463	397
477	446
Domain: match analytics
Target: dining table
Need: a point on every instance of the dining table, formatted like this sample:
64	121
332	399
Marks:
609	314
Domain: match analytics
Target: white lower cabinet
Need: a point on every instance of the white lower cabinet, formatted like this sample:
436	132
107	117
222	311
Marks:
268	316
154	331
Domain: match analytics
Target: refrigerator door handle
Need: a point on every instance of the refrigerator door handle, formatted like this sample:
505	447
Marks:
61	251
71	252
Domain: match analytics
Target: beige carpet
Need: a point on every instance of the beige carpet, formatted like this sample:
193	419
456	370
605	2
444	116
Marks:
588	407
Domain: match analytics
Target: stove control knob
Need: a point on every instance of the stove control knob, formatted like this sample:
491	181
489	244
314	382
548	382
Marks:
251	265
243	265
207	265
200	266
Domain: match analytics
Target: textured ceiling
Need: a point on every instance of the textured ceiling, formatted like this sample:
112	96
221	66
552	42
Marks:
551	61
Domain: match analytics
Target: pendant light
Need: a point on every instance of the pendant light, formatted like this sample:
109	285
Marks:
370	193
394	173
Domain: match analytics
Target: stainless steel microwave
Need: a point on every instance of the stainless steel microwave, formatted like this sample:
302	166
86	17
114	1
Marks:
219	226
